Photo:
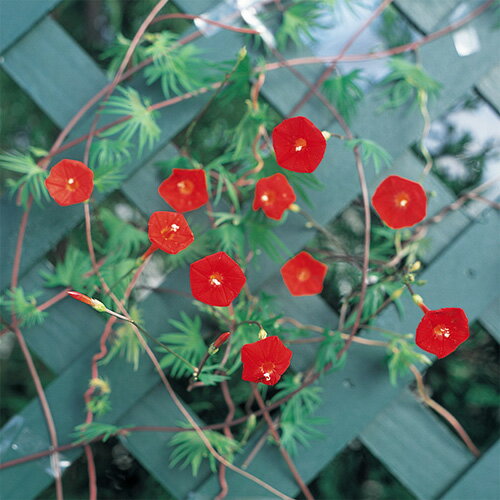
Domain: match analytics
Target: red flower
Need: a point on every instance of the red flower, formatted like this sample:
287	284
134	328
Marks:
185	189
440	332
274	195
299	145
400	202
216	280
304	275
169	231
70	182
265	360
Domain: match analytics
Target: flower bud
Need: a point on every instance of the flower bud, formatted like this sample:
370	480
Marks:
221	339
262	334
326	134
294	207
397	293
416	266
94	303
100	384
420	302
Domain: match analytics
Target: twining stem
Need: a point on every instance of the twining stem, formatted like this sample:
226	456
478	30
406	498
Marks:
443	412
272	429
153	339
327	72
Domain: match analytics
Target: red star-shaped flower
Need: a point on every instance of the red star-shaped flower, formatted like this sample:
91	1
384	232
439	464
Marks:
304	275
185	189
265	360
274	195
441	331
400	202
299	145
216	279
70	182
169	231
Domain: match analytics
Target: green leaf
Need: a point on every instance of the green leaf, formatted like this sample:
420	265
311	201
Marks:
70	271
108	178
404	82
178	67
371	152
401	356
125	342
209	377
298	21
93	430
262	238
301	431
32	178
328	351
123	239
344	93
141	122
189	449
117	51
186	341
105	152
25	307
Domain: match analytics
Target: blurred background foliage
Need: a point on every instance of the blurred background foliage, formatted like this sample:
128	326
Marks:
465	383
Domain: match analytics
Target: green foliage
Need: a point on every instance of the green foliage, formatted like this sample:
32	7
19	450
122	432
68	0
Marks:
374	298
371	152
189	449
93	430
178	67
247	129
238	83
209	377
229	237
108	178
328	351
405	80
344	92
109	152
24	306
298	21
225	179
32	178
70	271
186	341
262	238
141	122
99	404
125	342
123	239
297	423
401	356
118	275
116	53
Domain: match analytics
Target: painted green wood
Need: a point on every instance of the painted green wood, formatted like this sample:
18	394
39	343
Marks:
337	170
490	318
57	74
354	396
417	447
481	481
18	16
427	14
489	87
39	239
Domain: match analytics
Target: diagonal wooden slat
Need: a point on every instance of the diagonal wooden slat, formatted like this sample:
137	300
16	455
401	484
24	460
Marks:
481	480
18	16
416	446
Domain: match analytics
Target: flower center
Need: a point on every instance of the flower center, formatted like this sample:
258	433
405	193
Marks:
268	198
304	274
300	144
71	184
267	370
185	187
169	232
216	279
442	331
402	200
